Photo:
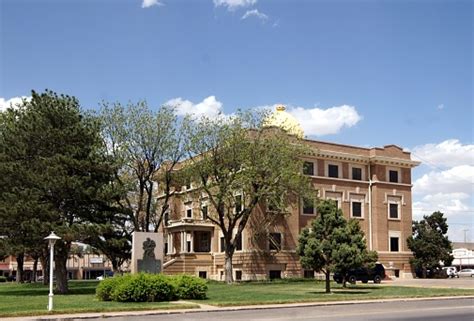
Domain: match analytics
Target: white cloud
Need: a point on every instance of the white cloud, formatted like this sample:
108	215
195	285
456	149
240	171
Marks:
440	106
209	107
12	102
447	153
150	3
456	179
255	13
319	122
234	4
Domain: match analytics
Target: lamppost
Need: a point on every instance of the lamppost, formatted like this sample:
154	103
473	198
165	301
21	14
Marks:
51	238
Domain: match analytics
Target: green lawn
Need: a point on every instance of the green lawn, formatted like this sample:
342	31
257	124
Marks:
310	291
32	299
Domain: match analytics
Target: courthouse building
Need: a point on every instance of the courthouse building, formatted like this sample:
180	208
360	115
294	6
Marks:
372	185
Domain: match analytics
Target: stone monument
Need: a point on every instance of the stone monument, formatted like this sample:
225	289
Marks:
147	252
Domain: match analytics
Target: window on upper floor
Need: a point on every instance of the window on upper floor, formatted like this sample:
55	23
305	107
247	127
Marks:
238	243
308	207
274	242
166	218
308	168
356	209
189	212
238	203
222	244
333	171
393	211
204	209
393	176
357	173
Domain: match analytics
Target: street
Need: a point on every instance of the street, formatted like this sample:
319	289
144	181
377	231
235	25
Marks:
433	310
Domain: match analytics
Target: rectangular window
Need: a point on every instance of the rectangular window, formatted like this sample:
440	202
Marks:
308	274
394	244
274	274
204	212
275	242
222	244
189	213
188	246
356	209
203	274
333	171
393	211
308	206
166	247
166	218
357	173
238	204
393	176
308	168
238	243
238	275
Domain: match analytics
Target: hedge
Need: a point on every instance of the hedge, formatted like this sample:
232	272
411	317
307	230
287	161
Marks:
144	287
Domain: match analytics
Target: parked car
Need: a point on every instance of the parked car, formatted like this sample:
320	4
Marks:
466	272
451	272
376	274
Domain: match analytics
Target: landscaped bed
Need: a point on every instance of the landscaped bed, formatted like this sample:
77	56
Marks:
32	299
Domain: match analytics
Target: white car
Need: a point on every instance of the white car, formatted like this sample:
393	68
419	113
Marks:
451	272
100	278
466	272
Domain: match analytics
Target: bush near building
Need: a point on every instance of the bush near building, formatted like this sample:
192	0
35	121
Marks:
151	288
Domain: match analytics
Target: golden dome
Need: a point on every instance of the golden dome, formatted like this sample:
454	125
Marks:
280	118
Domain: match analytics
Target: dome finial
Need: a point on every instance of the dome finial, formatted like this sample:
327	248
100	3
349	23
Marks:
280	108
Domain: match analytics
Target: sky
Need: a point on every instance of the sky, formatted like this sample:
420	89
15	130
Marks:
366	73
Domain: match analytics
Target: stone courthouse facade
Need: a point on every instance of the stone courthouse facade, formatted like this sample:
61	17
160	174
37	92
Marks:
372	185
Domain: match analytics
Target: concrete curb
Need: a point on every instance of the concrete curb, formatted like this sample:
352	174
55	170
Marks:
208	308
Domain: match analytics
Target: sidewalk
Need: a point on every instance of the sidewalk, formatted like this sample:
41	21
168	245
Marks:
209	308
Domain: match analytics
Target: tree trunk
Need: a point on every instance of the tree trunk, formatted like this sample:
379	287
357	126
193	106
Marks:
35	269
45	266
328	282
20	258
344	281
229	277
60	267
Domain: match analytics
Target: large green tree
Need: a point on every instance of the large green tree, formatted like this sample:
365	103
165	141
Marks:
238	163
331	243
146	145
50	156
429	243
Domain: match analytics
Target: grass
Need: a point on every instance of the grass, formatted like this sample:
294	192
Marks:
314	291
32	299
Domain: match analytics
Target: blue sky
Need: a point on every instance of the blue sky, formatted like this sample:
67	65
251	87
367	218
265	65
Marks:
367	73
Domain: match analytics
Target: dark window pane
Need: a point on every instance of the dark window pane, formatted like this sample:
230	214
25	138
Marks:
393	210
308	274
275	242
357	173
394	244
308	168
333	171
274	274
188	246
238	275
166	247
204	212
238	243
166	218
393	176
189	213
238	203
308	206
203	274
222	244
356	209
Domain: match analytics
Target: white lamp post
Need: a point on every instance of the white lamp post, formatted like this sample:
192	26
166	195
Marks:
52	238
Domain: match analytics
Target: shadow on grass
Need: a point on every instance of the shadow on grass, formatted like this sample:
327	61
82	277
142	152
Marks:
341	292
37	291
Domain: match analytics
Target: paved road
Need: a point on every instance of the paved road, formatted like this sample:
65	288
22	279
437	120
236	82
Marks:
433	310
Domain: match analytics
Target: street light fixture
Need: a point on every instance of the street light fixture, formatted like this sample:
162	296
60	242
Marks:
51	238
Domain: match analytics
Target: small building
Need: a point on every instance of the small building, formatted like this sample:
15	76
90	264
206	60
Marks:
463	254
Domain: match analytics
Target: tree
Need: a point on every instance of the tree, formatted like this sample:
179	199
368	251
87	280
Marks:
332	243
51	155
352	252
429	243
146	146
238	163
